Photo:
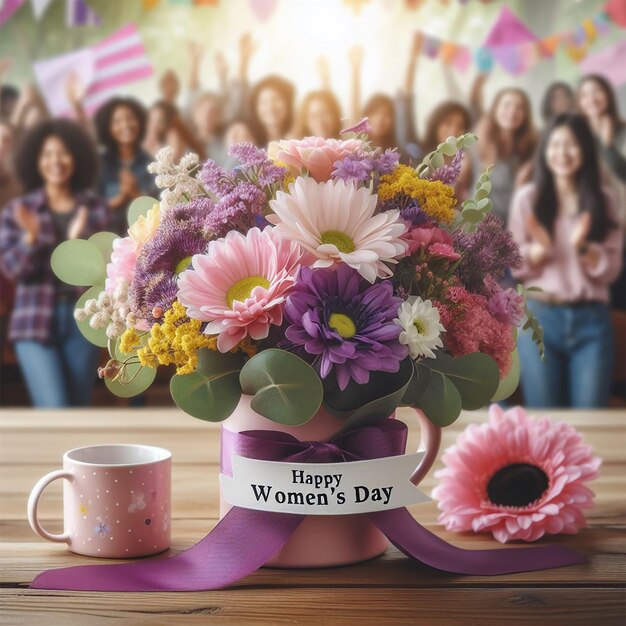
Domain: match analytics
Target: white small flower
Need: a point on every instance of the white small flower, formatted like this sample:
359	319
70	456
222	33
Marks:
421	328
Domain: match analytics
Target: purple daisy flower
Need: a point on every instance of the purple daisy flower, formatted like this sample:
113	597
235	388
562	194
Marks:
162	259
345	323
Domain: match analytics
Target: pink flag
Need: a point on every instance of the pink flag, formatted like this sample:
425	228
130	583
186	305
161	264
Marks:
8	7
102	69
504	38
608	62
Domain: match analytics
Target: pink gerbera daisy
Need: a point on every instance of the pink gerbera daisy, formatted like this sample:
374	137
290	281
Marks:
516	477
240	284
337	222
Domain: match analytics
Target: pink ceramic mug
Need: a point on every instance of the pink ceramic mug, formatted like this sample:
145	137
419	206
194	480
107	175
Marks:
116	500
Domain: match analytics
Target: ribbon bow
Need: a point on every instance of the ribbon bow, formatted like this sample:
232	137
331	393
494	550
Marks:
246	539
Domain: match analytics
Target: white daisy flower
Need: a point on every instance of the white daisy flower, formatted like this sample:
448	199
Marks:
421	328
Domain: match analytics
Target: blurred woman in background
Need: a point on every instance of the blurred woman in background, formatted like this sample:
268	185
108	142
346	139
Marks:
271	110
565	223
121	125
507	141
558	98
9	184
597	102
57	165
165	127
319	115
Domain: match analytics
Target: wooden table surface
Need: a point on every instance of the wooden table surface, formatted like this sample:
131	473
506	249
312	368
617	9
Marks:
387	590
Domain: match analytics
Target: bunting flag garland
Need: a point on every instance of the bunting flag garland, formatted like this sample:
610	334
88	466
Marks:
79	13
7	8
512	45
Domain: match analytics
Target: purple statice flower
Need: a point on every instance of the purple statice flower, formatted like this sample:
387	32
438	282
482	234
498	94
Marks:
413	213
215	178
194	210
489	250
386	162
160	262
270	174
352	168
344	323
361	127
237	210
506	305
248	154
449	173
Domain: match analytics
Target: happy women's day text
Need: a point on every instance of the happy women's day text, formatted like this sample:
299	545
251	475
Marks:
328	482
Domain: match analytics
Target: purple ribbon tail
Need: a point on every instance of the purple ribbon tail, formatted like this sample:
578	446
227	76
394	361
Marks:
417	542
242	542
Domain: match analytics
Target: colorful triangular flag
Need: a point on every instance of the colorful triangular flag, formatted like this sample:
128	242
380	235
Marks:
79	13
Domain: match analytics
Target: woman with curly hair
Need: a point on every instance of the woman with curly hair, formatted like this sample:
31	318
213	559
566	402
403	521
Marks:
57	166
121	125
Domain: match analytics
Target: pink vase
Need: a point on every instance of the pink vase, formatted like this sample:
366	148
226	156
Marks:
327	540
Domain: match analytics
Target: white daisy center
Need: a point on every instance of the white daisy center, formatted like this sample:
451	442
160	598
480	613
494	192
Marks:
242	289
342	324
182	265
340	240
420	326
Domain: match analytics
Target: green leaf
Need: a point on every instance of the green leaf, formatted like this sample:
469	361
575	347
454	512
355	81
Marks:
210	399
476	376
97	336
140	206
79	262
417	386
441	401
139	378
510	382
286	389
104	241
213	391
368	404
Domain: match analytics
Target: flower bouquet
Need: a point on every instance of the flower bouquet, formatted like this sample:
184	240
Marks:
313	290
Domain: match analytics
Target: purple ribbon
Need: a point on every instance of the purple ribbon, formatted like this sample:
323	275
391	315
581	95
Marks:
246	539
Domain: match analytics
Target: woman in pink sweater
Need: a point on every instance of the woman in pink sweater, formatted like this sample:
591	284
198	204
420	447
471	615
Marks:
566	225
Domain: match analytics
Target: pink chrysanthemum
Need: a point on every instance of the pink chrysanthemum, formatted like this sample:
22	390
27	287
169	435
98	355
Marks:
121	268
516	477
240	284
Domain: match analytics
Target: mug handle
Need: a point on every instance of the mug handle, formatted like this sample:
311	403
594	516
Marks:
430	440
33	501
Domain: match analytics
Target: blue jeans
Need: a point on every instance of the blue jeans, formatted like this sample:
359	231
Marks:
60	373
578	367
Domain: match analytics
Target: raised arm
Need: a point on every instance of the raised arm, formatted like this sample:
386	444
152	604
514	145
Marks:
355	57
477	95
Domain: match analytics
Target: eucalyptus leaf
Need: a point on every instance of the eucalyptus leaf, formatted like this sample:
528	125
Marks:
417	386
510	382
210	399
286	389
97	336
104	240
441	400
476	376
140	206
78	262
139	378
363	406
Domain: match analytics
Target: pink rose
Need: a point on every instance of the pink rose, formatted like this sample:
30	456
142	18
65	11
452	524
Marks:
418	237
314	154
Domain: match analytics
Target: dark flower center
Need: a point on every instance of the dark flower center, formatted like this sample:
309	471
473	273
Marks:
518	484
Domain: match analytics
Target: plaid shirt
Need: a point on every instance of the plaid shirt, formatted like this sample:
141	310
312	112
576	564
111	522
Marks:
29	265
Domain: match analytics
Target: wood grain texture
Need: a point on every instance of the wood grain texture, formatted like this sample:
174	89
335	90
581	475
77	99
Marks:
388	590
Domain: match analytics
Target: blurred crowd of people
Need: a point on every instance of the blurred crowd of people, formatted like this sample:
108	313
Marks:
559	182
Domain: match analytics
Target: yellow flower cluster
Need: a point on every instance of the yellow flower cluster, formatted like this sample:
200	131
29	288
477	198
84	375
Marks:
435	198
176	341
